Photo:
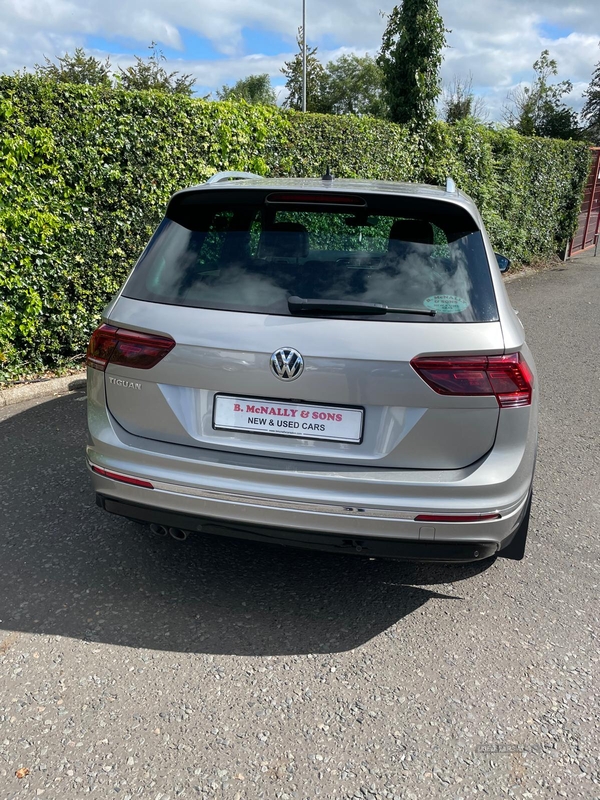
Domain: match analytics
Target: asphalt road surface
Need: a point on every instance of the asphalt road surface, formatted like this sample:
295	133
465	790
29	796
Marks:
134	667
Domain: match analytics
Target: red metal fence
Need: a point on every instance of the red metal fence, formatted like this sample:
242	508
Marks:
589	216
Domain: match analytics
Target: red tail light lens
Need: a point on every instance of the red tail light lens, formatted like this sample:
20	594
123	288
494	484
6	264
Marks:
102	343
508	378
126	348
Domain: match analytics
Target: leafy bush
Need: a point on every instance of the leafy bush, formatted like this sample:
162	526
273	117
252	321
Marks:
86	172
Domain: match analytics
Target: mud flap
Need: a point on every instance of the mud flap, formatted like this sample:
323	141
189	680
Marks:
515	549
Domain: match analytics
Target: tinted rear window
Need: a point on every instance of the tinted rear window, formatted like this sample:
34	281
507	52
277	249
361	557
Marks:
220	250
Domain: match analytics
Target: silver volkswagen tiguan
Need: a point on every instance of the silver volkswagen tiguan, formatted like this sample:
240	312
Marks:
322	363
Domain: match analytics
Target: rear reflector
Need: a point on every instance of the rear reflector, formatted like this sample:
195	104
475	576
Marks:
508	378
126	348
115	476
450	518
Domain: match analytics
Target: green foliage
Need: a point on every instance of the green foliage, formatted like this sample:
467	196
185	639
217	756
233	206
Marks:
76	68
350	85
145	74
86	172
411	57
354	147
539	109
35	220
150	73
354	85
255	89
315	80
591	110
459	102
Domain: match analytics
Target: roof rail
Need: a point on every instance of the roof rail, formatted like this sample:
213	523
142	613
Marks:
231	175
450	186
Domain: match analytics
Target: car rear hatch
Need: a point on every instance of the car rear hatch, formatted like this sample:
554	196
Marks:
250	373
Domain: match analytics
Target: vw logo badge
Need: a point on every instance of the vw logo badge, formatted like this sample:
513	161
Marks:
287	364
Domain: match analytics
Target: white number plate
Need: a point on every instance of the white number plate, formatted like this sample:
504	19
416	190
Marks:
303	420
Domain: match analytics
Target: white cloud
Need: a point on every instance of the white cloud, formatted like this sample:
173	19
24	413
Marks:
496	41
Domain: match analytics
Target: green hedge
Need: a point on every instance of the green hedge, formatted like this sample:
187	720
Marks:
85	174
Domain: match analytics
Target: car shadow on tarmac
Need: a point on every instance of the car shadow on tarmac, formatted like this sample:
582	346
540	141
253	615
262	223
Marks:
71	569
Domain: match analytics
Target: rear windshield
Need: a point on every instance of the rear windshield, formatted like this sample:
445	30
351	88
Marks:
218	250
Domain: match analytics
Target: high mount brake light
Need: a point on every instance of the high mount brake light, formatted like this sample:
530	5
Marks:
508	378
316	198
126	348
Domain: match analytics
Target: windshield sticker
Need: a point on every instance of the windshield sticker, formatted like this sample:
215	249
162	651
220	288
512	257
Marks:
446	303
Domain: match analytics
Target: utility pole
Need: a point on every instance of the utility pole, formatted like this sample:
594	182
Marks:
303	55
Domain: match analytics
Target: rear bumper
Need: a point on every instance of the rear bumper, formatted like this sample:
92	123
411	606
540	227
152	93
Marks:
447	552
315	504
385	532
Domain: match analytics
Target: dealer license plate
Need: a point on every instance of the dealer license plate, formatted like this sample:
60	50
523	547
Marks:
303	420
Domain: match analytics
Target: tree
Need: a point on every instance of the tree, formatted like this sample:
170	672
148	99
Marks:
76	68
459	102
354	85
590	113
539	110
255	89
315	80
411	57
151	74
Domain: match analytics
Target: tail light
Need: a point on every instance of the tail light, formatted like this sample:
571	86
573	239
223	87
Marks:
508	377
126	348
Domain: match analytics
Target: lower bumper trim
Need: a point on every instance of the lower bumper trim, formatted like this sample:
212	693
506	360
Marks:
367	546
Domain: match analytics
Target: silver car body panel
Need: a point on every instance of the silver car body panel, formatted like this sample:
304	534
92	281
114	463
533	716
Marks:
406	423
421	453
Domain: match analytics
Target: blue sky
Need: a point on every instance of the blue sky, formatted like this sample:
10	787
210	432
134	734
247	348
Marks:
195	48
220	41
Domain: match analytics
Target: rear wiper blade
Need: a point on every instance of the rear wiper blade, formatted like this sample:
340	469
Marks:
301	305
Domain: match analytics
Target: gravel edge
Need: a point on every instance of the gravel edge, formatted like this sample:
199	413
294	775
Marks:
42	388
